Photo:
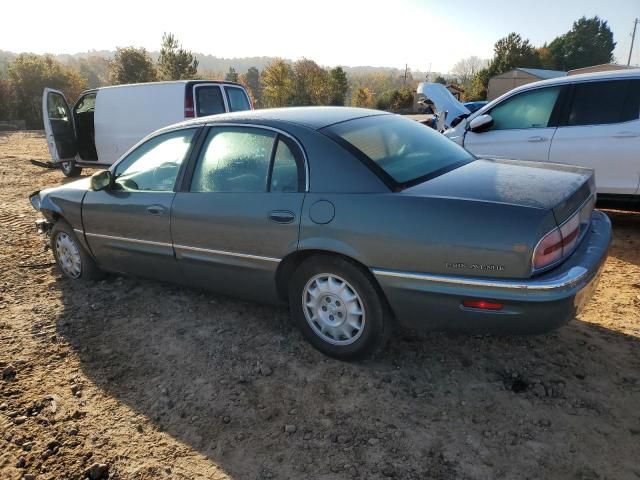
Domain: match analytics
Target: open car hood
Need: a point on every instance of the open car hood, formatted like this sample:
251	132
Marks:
443	100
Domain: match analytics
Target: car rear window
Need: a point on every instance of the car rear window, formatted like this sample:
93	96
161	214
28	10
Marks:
238	100
404	151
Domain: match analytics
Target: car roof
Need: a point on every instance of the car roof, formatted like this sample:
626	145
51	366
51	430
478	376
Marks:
310	117
582	77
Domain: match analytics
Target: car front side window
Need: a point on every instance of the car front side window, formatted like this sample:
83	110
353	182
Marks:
154	165
526	110
234	159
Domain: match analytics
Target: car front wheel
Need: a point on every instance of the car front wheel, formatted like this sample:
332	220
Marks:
69	169
70	256
338	308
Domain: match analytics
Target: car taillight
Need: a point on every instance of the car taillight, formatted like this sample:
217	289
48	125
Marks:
559	242
189	111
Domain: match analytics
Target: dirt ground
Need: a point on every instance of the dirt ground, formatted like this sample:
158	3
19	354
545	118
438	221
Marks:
131	379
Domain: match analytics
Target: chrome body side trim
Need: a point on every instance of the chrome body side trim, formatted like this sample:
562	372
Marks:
125	239
78	231
570	278
227	254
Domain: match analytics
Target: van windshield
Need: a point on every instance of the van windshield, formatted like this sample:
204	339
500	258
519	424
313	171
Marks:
404	151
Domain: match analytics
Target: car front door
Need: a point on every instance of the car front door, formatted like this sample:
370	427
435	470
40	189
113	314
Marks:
601	130
523	126
238	213
58	126
128	225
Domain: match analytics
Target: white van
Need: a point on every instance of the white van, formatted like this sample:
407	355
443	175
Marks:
590	120
106	122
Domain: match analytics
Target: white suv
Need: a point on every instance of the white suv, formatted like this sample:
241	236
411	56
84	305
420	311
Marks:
591	120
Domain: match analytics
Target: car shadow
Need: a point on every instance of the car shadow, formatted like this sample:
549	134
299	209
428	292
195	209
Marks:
626	235
237	382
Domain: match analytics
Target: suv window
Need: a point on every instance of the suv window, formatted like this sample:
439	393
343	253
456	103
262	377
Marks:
613	101
209	100
234	159
154	165
526	110
237	99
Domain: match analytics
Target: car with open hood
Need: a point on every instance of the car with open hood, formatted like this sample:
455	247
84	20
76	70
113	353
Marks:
358	219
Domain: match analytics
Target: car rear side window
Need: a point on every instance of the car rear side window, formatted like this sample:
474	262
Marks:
597	103
402	151
234	159
237	99
284	176
209	100
526	110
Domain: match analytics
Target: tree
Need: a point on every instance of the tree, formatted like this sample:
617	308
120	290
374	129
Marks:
440	79
512	52
231	76
131	65
277	84
589	42
338	86
311	83
175	63
467	68
479	86
30	74
6	100
362	97
251	80
395	100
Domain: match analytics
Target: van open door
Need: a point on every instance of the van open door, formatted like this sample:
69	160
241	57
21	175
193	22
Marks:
58	126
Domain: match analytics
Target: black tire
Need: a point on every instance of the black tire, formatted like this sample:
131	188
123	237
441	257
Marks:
89	271
69	169
377	321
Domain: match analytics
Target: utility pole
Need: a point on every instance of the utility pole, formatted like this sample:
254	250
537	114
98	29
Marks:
633	37
406	66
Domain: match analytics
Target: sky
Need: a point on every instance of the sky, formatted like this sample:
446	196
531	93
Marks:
427	35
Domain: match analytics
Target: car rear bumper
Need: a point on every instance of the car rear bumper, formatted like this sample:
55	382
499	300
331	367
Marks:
536	305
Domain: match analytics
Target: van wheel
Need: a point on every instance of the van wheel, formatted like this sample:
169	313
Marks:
69	169
338	308
70	256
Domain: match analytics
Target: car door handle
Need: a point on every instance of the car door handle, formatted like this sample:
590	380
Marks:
626	135
537	139
156	210
281	216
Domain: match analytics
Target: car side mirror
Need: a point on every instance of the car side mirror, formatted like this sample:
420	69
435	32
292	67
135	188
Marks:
101	180
480	123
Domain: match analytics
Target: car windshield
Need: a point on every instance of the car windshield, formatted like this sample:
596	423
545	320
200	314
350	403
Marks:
405	150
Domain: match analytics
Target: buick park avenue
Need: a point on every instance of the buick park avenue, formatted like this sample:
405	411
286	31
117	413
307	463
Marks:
358	219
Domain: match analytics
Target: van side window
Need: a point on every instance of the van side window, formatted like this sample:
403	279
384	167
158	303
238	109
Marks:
237	99
234	159
209	100
597	103
526	110
154	165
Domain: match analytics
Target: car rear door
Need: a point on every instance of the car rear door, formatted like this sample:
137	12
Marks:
238	212
523	126
128	226
601	130
58	126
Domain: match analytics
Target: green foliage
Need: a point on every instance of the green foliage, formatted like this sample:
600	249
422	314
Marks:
251	81
6	100
29	75
311	83
362	97
512	52
174	62
440	79
131	65
232	75
338	86
395	100
479	85
589	42
277	84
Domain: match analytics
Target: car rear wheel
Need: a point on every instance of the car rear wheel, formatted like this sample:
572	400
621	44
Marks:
69	169
70	256
338	308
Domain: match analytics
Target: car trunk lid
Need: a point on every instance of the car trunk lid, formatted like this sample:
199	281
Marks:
560	188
